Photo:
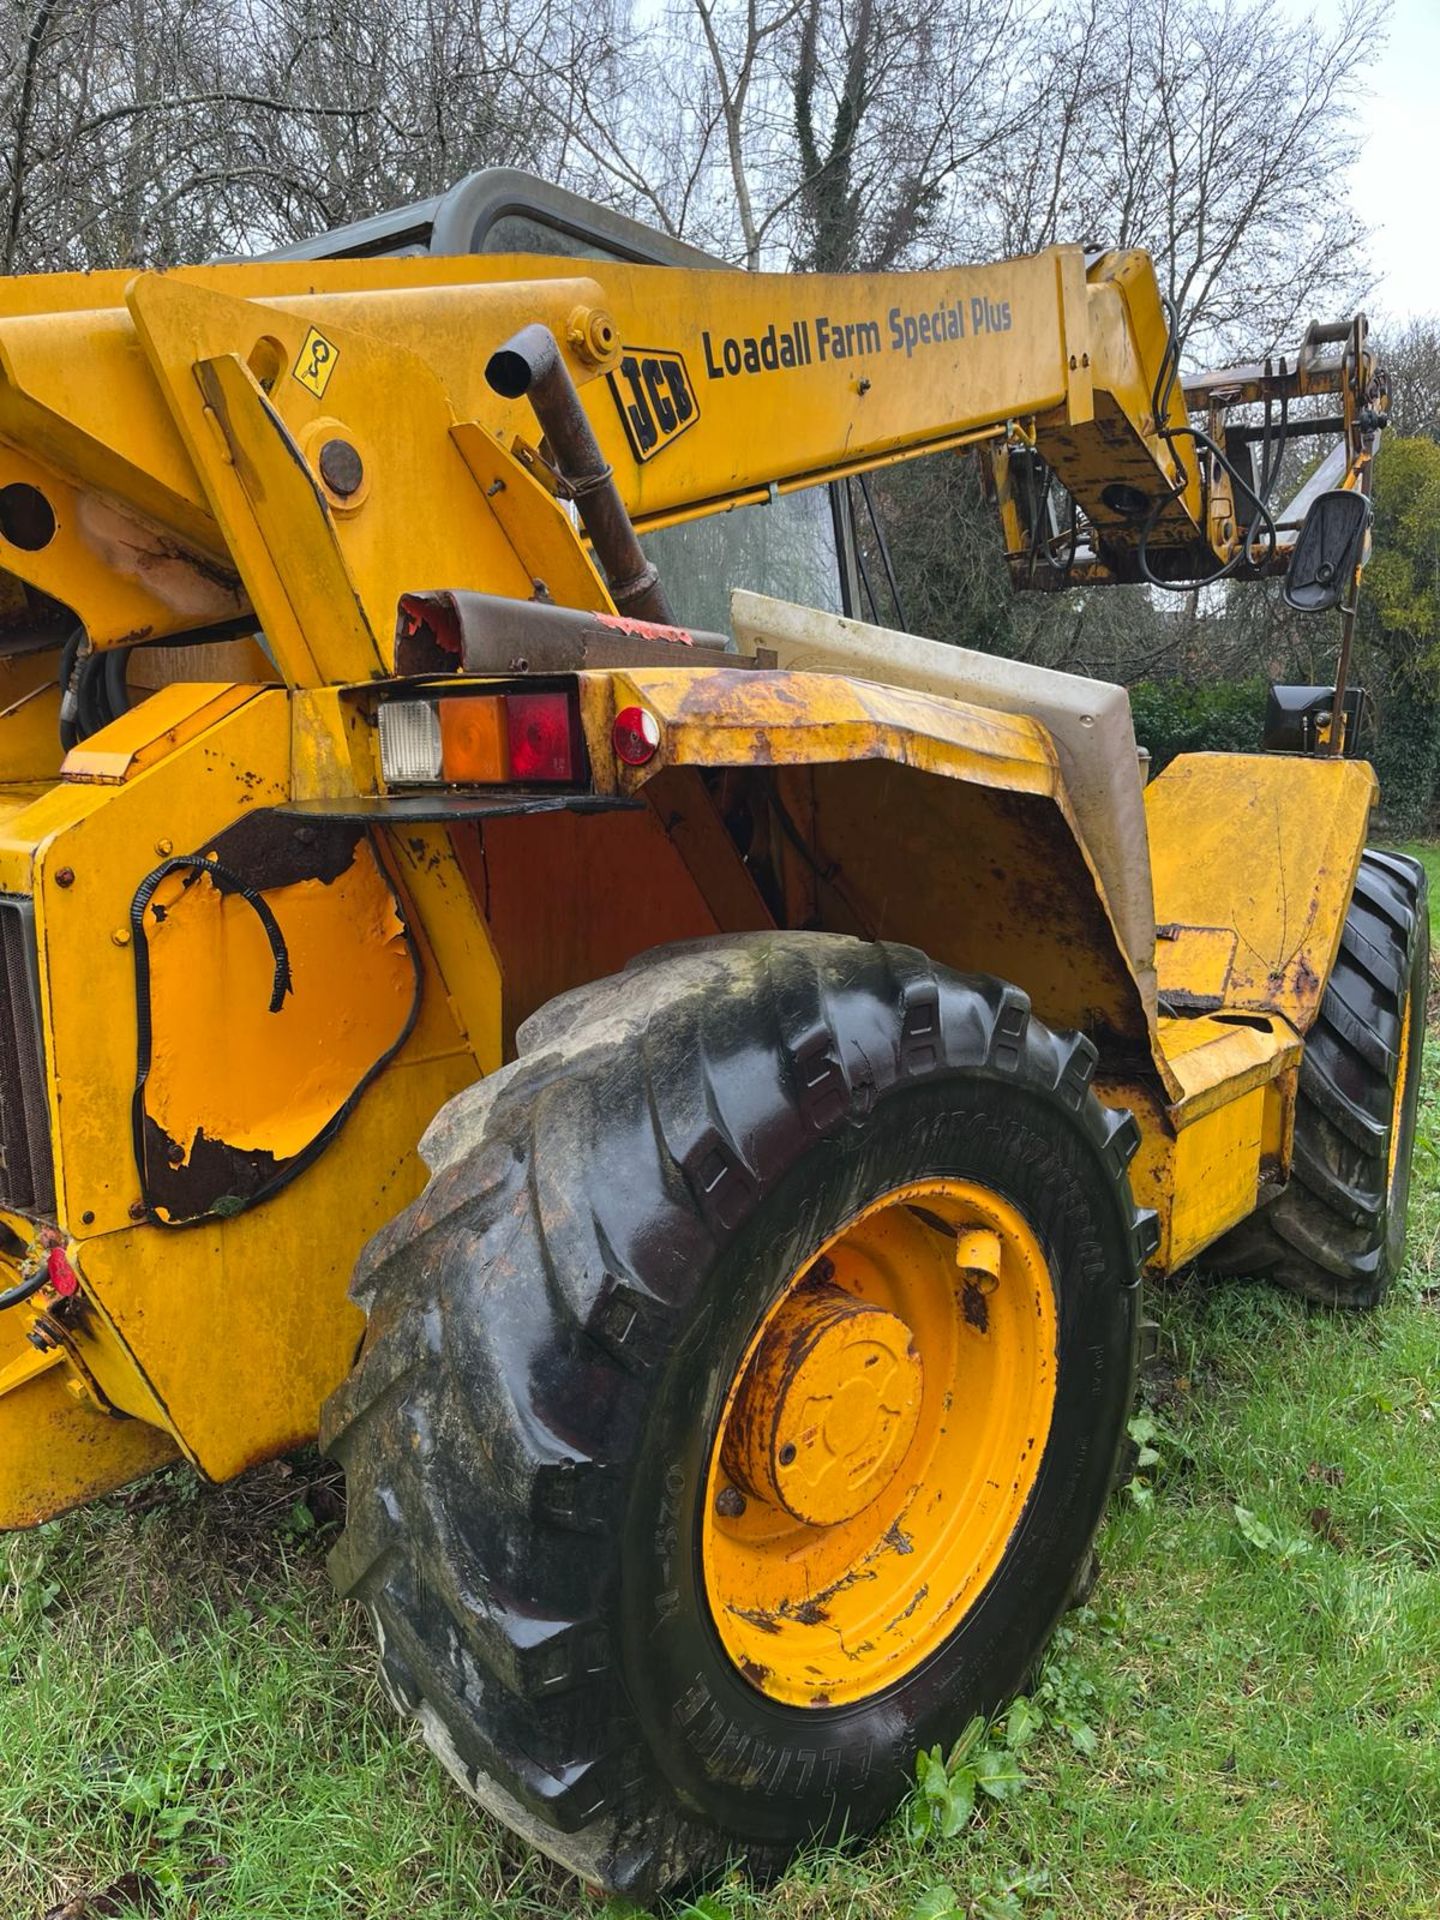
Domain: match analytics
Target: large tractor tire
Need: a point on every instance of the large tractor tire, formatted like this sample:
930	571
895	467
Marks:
1336	1233
741	1398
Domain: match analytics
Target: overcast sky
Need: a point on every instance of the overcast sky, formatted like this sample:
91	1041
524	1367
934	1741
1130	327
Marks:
1398	179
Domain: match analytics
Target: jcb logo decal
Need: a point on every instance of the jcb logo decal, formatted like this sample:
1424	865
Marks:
656	400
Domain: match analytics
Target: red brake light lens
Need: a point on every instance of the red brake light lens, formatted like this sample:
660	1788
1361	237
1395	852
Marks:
541	733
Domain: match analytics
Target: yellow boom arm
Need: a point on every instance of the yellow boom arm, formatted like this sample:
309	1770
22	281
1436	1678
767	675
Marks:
305	442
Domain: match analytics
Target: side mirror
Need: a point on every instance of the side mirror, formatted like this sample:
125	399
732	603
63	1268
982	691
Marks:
1302	719
1331	544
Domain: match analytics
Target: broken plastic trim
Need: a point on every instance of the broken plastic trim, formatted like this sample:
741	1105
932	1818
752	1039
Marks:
307	1156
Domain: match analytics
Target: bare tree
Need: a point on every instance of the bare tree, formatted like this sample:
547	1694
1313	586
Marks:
793	133
158	130
385	105
897	110
1216	133
1411	356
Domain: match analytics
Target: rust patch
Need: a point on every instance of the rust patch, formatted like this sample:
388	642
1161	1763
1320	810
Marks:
972	1303
846	1580
1179	1001
931	1220
271	851
754	1672
758	1617
217	1178
921	1594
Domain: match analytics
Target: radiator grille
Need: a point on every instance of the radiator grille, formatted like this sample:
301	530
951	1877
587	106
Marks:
27	1173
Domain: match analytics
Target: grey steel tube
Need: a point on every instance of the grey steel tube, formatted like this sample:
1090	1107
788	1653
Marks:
531	364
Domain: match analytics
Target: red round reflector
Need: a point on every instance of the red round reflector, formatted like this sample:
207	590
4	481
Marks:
636	735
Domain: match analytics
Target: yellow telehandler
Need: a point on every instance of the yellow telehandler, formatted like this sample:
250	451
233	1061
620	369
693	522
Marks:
679	1093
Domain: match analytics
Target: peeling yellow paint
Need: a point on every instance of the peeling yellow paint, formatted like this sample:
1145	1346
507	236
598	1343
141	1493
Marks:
222	1064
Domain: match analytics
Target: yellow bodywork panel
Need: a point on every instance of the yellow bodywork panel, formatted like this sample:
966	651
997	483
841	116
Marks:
1218	1058
332	746
58	1444
230	1332
739	718
453	935
1253	859
895	853
156	584
242	1325
1264	844
1203	1157
85	849
30	734
1192	964
1214	1175
29	718
151	731
227	1075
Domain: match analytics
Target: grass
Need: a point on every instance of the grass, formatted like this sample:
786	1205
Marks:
1245	1721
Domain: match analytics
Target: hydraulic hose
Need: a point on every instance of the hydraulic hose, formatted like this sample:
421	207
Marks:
531	364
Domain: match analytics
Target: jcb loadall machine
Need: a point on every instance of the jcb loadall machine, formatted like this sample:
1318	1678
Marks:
683	1117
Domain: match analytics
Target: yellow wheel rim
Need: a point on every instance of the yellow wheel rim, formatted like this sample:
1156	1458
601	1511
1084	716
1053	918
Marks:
879	1444
1402	1076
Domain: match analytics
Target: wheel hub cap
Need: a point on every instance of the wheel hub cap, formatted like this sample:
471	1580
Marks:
828	1407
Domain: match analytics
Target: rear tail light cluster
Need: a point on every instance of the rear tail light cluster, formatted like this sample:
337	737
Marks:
532	739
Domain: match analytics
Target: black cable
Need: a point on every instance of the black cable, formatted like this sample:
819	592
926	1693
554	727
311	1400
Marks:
69	700
27	1289
1037	493
1165	380
1264	488
1072	542
1270	471
230	882
224	881
877	527
115	690
89	684
93	688
1160	398
865	579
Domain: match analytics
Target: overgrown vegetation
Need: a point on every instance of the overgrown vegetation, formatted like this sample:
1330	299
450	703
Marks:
1171	717
1240	1722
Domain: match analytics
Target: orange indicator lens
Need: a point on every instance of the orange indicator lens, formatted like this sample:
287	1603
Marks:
472	740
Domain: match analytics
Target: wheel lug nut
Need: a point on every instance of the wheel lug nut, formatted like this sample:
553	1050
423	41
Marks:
729	1503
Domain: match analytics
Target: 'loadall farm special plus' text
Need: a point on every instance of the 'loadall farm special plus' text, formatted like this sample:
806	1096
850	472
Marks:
678	1091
